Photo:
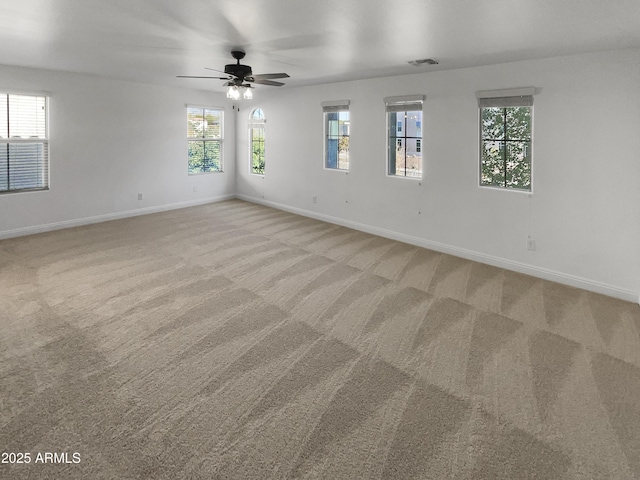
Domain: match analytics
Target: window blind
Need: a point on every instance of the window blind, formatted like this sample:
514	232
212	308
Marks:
513	97
335	105
405	103
24	142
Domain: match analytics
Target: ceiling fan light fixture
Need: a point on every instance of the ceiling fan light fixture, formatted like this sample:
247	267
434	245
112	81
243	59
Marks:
233	92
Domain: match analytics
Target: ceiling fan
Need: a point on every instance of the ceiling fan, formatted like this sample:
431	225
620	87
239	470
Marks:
240	77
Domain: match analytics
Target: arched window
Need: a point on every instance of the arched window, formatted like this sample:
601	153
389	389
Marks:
256	141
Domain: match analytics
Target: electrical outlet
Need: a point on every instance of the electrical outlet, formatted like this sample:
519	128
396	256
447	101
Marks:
315	199
531	244
139	196
195	189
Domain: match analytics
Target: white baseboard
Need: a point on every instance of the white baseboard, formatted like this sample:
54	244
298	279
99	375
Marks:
544	273
48	227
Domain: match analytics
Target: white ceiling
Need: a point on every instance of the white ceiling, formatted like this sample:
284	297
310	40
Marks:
314	41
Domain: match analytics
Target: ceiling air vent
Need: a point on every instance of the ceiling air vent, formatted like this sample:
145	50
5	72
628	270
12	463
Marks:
424	61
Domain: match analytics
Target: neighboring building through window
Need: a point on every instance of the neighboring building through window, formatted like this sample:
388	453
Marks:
204	136
24	143
256	140
336	131
505	138
404	141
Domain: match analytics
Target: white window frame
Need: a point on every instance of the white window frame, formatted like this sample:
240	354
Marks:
505	98
404	103
253	124
42	168
335	106
205	139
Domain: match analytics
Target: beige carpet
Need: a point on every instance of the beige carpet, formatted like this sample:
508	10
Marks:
236	341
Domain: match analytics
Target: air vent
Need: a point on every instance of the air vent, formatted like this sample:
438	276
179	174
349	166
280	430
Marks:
424	61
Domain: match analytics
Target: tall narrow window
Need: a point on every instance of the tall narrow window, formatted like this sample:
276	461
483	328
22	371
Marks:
204	136
505	138
404	135
24	143
336	132
256	140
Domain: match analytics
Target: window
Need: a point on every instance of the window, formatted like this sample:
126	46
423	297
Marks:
204	136
336	132
24	143
404	127
505	138
256	140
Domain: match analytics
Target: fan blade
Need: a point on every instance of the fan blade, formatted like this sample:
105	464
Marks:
191	76
214	70
267	82
265	76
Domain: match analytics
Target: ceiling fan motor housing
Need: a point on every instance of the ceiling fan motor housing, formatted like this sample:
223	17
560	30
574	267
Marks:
238	70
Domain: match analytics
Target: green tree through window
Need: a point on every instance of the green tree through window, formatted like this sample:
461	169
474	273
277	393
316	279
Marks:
204	136
256	138
506	147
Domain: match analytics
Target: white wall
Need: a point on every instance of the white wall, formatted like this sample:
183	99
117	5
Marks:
584	212
109	141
